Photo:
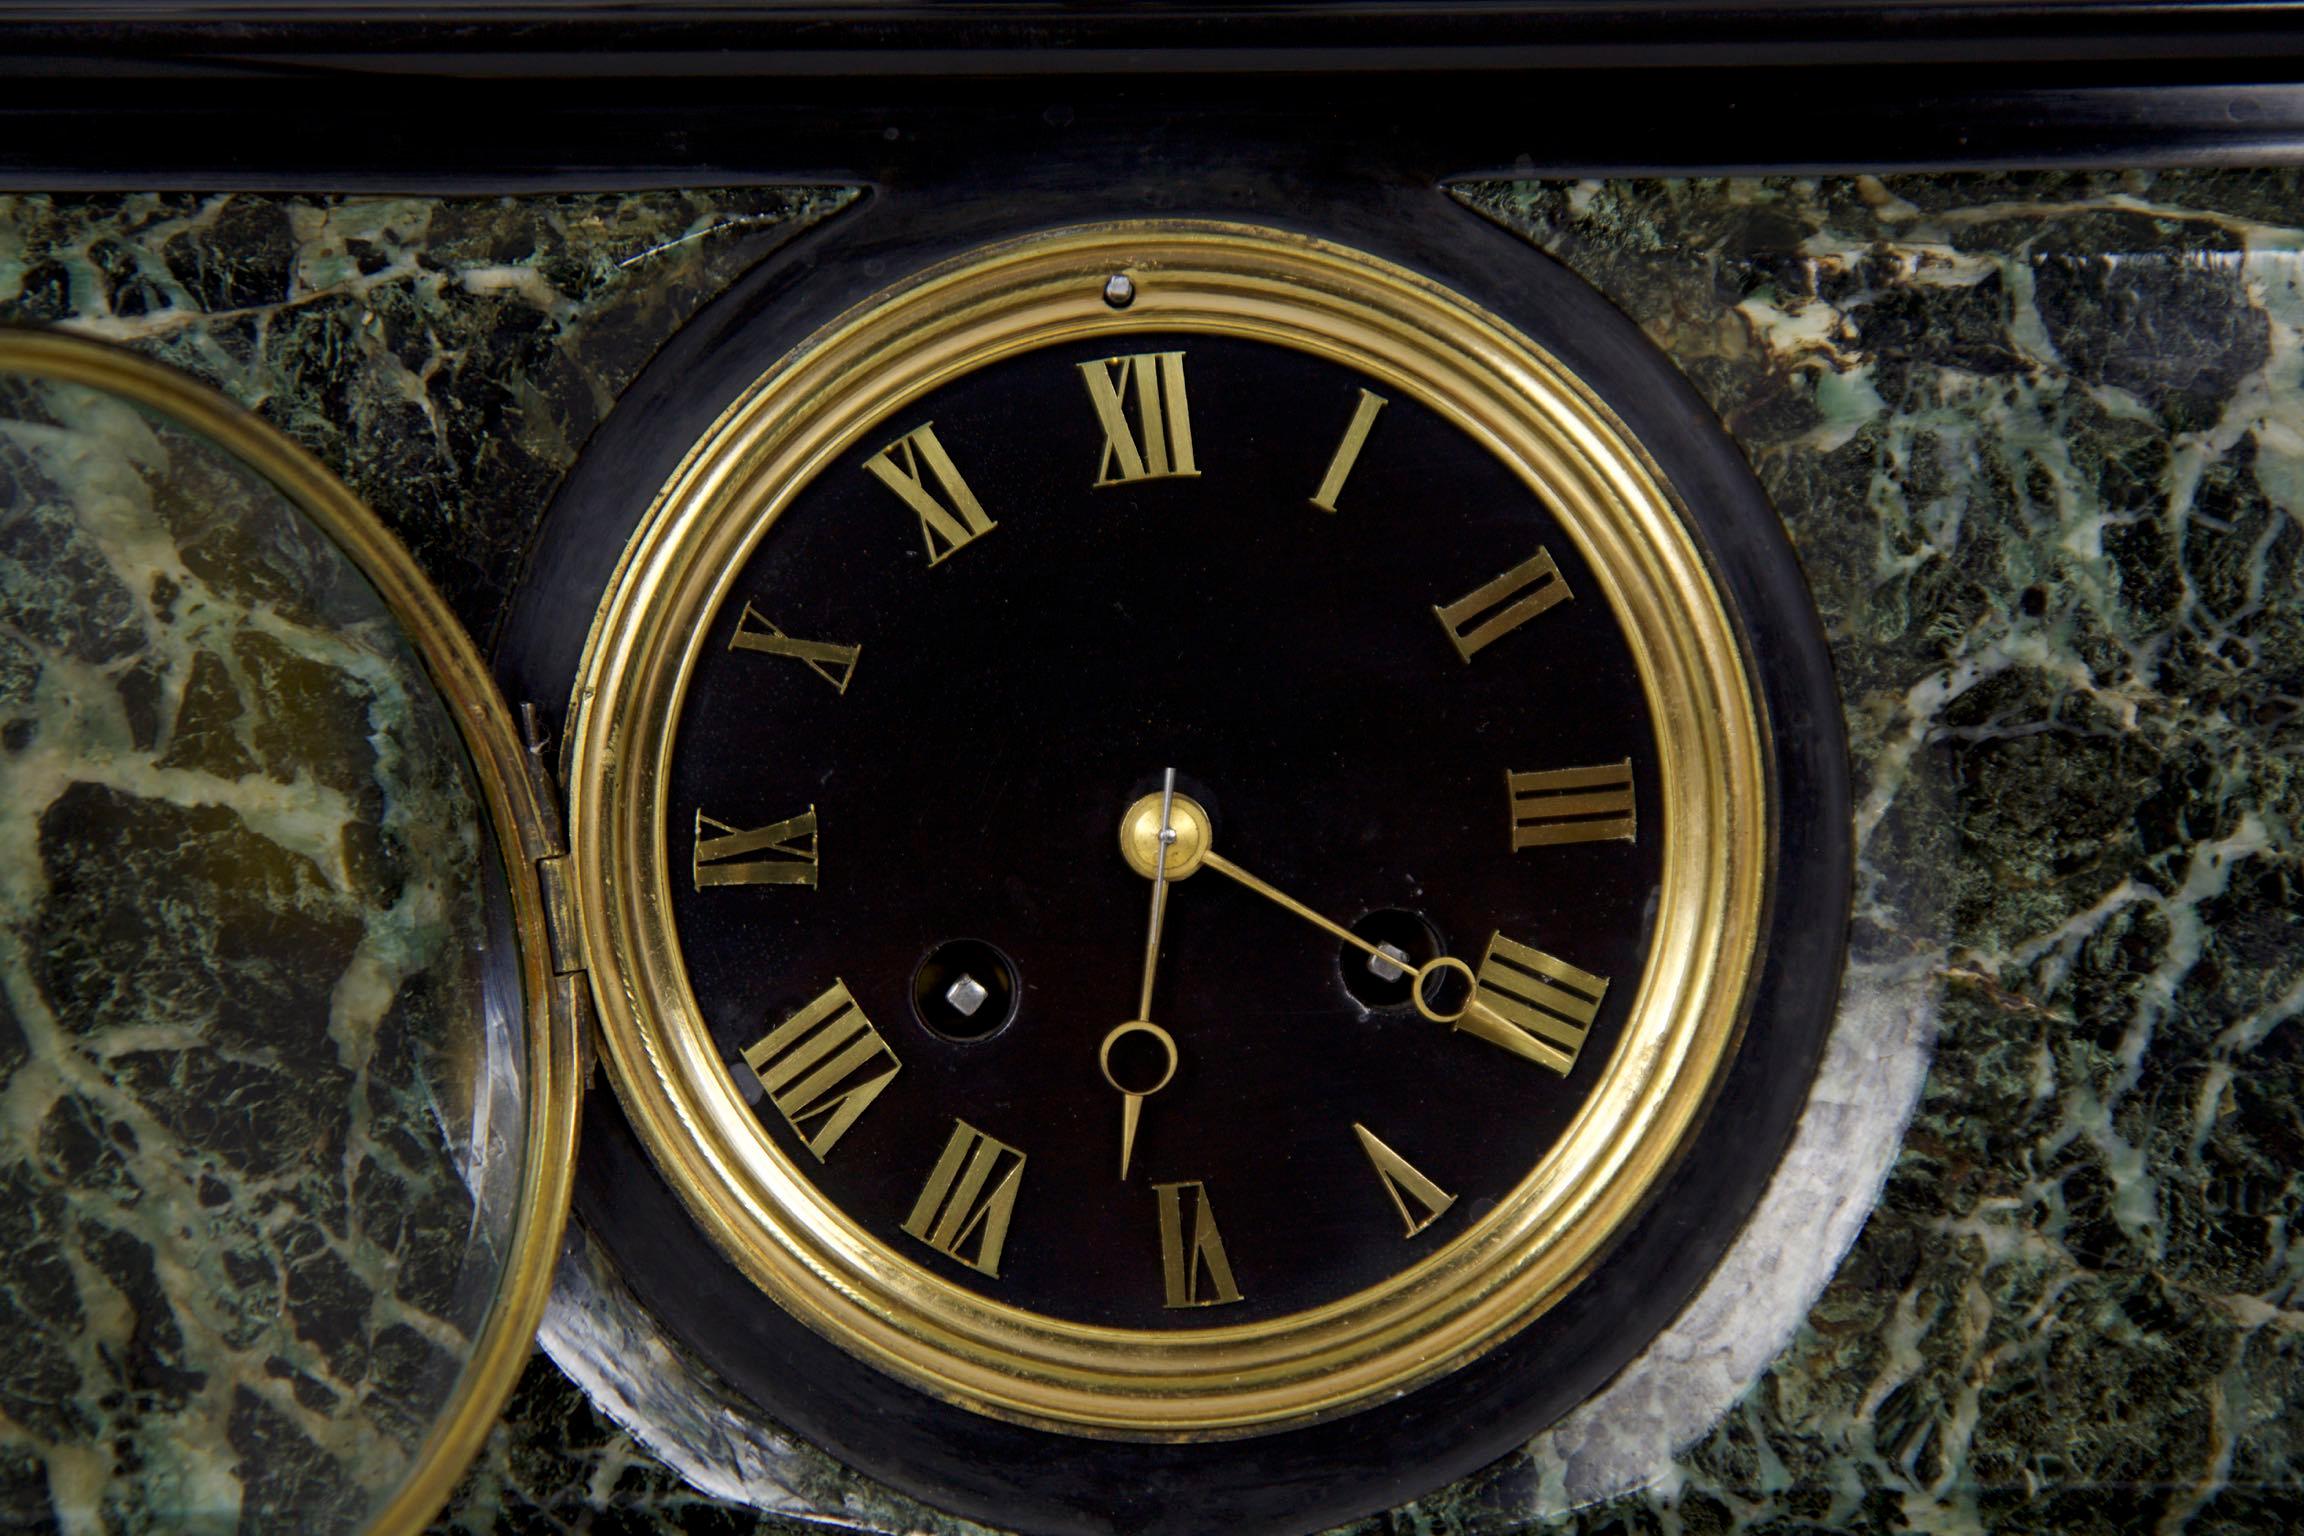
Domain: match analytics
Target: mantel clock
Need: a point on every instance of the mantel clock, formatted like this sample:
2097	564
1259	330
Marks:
1155	836
1187	849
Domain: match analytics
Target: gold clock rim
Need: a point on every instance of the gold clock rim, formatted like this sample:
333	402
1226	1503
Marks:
1492	383
501	1348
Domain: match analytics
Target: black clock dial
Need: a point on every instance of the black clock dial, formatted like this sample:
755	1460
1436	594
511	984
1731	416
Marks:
905	753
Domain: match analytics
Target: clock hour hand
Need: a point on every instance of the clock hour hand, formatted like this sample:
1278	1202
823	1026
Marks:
1132	1099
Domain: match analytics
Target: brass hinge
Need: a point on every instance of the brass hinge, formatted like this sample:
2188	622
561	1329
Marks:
572	991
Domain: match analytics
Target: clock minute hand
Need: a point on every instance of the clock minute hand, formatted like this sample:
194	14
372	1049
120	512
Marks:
1177	842
1392	959
1225	866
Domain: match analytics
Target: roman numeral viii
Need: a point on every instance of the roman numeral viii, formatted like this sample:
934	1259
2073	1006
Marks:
1159	443
823	1067
1533	1004
969	1196
722	855
906	466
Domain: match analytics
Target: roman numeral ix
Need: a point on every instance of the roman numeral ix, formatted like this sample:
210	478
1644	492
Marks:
722	855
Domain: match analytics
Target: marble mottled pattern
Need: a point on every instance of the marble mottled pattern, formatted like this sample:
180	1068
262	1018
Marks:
560	1464
559	1468
446	356
252	1207
2039	442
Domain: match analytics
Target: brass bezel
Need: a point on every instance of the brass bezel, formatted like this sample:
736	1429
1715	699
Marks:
507	1337
1507	394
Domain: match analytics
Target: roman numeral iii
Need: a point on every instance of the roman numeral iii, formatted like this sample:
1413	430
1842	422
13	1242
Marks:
906	466
1533	1004
833	663
1571	805
823	1067
722	855
1159	443
968	1199
1488	613
1184	1261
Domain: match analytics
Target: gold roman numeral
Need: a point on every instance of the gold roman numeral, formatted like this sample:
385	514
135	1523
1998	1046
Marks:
1571	805
755	633
1182	1264
1489	613
970	1194
1160	445
945	528
791	846
1533	1004
1348	451
825	1064
1403	1183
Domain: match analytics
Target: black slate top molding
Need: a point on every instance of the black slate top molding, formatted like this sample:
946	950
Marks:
121	94
559	40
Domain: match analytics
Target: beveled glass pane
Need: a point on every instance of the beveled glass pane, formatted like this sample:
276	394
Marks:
261	1051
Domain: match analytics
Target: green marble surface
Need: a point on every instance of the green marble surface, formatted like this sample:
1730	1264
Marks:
2039	441
238	1258
446	356
257	1176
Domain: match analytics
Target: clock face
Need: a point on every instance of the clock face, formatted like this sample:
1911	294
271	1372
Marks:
1391	690
1169	829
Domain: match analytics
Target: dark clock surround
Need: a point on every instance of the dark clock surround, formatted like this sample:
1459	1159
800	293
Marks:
1306	1478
